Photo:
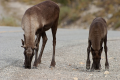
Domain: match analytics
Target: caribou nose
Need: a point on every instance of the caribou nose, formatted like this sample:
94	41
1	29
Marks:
97	67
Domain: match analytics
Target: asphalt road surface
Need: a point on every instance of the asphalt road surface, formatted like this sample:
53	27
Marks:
71	55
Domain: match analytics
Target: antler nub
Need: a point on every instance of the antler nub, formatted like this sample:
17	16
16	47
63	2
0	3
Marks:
23	42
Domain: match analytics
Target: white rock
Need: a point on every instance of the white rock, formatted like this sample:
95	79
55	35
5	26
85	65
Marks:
91	75
75	78
106	72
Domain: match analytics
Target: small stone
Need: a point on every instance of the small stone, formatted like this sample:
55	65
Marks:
105	75
75	78
106	72
74	69
82	63
91	75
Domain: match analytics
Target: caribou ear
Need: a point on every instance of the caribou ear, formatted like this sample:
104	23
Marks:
22	42
101	49
24	38
35	44
23	46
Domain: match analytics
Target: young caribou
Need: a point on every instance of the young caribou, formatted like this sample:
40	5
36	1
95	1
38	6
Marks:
97	35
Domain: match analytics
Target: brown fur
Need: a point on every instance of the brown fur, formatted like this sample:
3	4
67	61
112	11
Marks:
98	30
36	21
97	35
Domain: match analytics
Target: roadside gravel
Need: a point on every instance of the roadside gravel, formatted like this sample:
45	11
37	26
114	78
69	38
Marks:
70	57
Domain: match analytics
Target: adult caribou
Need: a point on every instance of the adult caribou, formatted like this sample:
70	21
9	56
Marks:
35	22
97	35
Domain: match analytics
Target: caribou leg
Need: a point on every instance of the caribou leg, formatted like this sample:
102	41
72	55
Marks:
105	49
44	37
88	55
54	30
37	41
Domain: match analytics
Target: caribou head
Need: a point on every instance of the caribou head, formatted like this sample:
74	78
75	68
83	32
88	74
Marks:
96	56
28	53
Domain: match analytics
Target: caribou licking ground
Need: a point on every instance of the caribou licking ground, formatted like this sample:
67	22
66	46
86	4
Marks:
97	35
35	22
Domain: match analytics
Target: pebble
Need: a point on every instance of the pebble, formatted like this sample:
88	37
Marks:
91	75
75	78
106	72
82	63
69	64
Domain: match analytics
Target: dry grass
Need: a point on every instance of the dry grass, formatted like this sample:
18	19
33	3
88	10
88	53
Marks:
110	7
115	20
8	21
70	11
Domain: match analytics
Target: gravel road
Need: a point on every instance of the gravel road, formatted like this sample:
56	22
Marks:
70	57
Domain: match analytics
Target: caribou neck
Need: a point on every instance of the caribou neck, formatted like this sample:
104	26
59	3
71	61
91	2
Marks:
30	38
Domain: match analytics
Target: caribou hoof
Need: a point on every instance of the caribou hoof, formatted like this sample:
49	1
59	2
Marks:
35	64
106	66
39	61
87	64
91	70
87	67
53	63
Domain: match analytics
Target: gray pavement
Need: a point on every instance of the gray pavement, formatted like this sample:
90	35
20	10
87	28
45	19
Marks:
70	57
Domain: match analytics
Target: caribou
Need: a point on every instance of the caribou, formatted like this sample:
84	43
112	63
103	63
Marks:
97	35
35	22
